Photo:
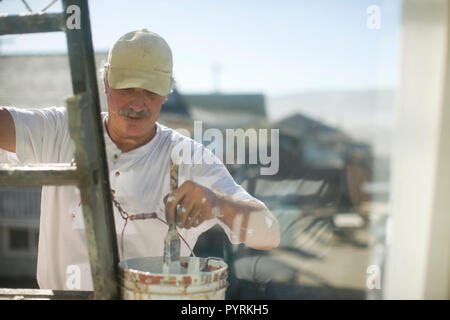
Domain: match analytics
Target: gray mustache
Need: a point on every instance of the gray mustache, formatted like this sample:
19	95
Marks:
129	112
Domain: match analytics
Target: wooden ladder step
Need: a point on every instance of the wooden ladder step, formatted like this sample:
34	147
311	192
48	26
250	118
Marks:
58	174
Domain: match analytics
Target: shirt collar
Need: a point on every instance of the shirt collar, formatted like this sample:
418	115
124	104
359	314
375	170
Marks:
111	147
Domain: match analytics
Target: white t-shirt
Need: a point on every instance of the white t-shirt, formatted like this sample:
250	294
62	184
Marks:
140	180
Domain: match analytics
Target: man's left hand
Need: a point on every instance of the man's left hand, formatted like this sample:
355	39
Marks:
191	204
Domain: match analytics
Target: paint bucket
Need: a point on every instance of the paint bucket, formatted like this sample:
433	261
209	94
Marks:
196	279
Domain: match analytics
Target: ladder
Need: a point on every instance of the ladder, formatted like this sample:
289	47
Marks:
90	174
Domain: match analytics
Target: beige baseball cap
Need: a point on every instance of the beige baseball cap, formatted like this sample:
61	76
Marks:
140	59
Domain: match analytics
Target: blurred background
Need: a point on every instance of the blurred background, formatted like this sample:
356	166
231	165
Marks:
326	73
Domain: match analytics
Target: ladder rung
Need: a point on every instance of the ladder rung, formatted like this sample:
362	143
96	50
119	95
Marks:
31	23
55	174
43	294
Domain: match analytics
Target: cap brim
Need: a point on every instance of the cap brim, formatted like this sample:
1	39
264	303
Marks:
157	82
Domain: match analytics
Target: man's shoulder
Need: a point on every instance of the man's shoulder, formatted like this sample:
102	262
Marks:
40	110
53	115
175	135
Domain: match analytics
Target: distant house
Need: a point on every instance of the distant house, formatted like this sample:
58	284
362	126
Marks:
322	146
175	112
313	165
39	80
227	110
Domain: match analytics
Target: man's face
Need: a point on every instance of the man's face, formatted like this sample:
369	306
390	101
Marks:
133	111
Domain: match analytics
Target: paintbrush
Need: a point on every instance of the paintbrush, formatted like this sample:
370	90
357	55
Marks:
172	242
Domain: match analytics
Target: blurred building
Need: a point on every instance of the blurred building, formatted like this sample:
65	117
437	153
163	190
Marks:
227	110
19	231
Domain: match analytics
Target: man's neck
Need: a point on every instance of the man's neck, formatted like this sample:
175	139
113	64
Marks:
126	144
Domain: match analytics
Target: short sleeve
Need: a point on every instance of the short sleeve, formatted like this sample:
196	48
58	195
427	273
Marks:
8	157
41	134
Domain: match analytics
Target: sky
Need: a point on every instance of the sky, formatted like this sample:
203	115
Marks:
235	46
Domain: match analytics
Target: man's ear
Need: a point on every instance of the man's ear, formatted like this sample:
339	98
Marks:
165	99
105	85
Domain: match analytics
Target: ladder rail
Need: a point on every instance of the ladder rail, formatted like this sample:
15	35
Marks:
95	199
91	174
54	174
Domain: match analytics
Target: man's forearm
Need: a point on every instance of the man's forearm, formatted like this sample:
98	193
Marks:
7	131
254	225
252	222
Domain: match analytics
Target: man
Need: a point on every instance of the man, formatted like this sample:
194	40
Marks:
137	81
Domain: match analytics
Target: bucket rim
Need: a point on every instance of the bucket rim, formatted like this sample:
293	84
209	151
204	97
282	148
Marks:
134	271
